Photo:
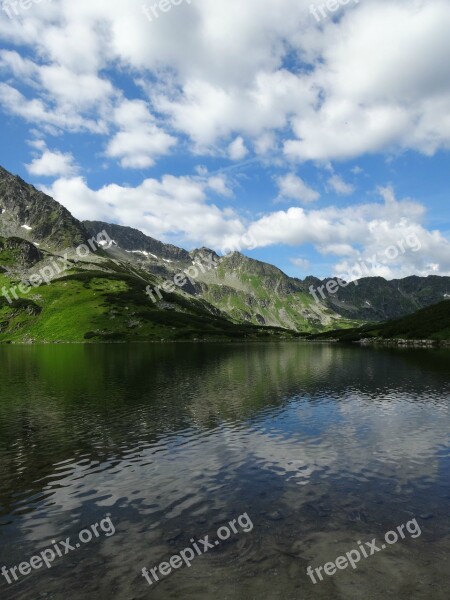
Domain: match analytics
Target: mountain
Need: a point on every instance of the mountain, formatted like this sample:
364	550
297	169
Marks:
133	240
251	291
59	285
431	323
375	299
244	289
100	294
29	214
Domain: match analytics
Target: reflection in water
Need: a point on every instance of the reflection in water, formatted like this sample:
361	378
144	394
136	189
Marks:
321	445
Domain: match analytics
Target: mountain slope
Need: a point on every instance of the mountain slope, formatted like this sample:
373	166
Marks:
375	299
251	291
98	306
133	240
52	293
256	292
29	214
245	289
430	323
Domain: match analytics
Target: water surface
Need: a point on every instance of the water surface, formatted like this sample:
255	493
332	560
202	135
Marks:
323	446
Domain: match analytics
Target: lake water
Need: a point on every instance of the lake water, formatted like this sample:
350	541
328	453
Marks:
323	447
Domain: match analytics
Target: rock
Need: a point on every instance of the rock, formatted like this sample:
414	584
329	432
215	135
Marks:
275	516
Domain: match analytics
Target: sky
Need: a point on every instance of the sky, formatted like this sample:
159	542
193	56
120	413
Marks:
314	136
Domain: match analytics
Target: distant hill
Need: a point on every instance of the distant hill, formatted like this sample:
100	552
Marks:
430	323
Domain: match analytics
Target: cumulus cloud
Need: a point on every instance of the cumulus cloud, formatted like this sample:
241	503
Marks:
302	263
139	140
340	186
294	188
380	81
237	149
40	114
375	80
361	232
52	164
219	185
167	208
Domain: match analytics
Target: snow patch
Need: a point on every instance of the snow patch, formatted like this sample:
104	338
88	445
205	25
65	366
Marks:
144	252
27	227
106	244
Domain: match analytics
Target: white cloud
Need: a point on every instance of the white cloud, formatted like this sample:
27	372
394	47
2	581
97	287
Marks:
140	141
301	263
374	81
52	164
361	232
78	90
381	78
201	170
294	188
340	186
37	112
219	185
265	143
164	209
237	149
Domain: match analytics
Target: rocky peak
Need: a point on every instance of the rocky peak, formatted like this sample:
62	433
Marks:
134	240
27	213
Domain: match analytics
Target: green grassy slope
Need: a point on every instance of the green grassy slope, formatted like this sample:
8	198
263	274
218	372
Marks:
431	323
89	306
251	291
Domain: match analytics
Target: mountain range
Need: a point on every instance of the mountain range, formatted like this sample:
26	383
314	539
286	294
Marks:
101	293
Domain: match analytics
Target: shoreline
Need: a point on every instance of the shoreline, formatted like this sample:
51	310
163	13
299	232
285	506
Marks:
387	342
403	342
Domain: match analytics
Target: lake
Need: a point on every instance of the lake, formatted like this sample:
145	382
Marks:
323	448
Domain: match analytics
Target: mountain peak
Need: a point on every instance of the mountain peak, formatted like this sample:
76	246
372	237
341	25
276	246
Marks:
27	213
204	251
133	240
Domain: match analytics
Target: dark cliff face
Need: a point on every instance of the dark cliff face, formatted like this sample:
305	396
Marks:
17	252
32	215
134	240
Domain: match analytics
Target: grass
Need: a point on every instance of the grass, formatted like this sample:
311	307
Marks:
94	306
430	323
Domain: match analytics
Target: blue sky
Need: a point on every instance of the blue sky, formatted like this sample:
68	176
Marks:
315	145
